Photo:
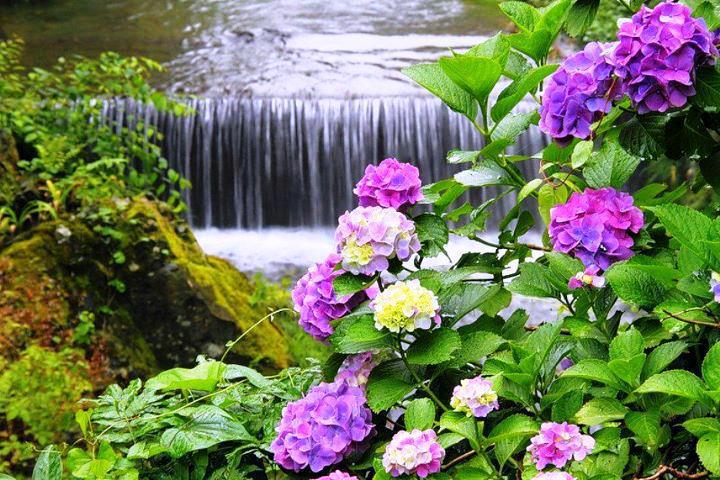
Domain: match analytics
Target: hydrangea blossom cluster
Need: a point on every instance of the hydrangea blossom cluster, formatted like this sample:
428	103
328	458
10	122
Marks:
369	237
391	184
658	53
338	475
591	277
406	305
322	428
553	476
715	286
315	299
475	397
417	452
355	369
579	92
595	226
557	443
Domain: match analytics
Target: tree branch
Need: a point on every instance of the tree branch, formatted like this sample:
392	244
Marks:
667	469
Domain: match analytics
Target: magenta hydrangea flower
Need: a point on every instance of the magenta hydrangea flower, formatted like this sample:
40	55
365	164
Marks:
475	397
391	184
590	277
355	369
369	237
315	300
338	475
579	92
553	476
323	428
557	443
417	452
658	53
595	226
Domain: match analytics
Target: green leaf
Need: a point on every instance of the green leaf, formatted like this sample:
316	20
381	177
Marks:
522	14
627	344
529	188
642	285
389	383
461	424
711	367
358	334
512	126
679	383
707	86
534	281
204	377
485	173
420	414
462	156
702	426
475	75
662	356
432	232
688	226
517	90
548	197
611	166
563	265
205	426
432	77
600	410
581	16
645	426
434	347
581	153
510	435
476	345
593	369
708	449
628	369
643	136
49	465
536	44
348	283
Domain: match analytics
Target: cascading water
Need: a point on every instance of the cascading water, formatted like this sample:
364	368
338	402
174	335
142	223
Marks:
259	162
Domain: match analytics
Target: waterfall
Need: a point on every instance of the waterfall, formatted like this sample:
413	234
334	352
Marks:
257	162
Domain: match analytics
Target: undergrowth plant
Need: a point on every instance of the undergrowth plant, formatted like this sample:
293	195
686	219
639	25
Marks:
436	373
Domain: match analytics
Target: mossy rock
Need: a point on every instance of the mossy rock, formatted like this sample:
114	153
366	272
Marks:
9	181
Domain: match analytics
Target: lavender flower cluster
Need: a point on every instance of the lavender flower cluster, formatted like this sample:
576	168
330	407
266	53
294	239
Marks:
595	226
653	62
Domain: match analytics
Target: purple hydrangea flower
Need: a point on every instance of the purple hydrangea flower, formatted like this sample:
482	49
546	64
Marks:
355	369
579	92
715	286
391	184
591	277
475	397
417	452
323	428
658	53
595	226
369	237
563	365
553	476
557	443
315	300
338	475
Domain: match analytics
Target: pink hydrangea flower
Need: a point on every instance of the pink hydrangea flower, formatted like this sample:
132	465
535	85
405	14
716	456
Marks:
338	475
355	369
315	299
595	226
417	452
557	443
323	428
391	184
591	277
475	397
369	237
553	476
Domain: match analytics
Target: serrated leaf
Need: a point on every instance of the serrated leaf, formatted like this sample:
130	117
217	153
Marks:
593	369
348	283
461	424
389	383
529	188
645	426
611	166
688	226
702	426
432	232
517	90
475	75
522	14
433	78
601	410
680	383
707	86
708	449
581	16
48	465
711	367
204	377
462	156
484	174
642	285
662	356
476	345
643	136
358	334
534	281
433	347
627	344
420	414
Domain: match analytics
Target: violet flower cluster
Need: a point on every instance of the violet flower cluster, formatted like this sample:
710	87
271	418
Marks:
338	475
369	237
553	476
715	286
323	428
557	443
658	53
595	226
654	63
417	452
391	184
355	369
580	91
315	300
475	397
